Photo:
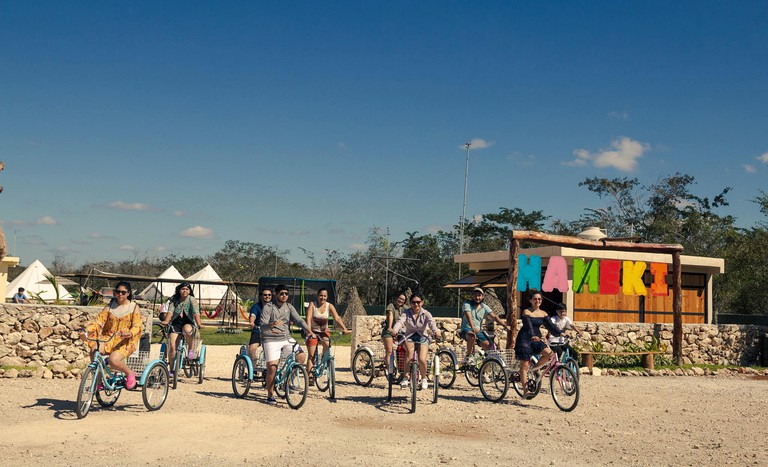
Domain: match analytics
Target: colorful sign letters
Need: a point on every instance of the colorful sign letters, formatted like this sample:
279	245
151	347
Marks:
605	277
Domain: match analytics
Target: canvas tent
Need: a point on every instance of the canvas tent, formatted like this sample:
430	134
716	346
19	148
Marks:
159	290
35	283
207	294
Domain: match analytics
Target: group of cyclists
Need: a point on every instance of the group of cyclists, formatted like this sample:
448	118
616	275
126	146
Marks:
270	318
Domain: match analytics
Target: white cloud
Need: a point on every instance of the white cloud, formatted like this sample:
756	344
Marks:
358	246
622	156
197	232
622	115
127	248
763	158
749	168
46	220
128	206
160	248
101	236
178	213
478	143
342	145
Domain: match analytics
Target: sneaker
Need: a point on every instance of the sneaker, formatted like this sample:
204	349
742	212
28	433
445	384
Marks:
191	355
271	401
424	383
404	384
170	374
130	381
100	386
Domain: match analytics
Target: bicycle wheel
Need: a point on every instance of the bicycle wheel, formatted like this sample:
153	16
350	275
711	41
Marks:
322	380
493	380
188	366
414	384
362	367
155	388
241	379
176	369
573	365
85	392
436	372
471	370
201	366
390	377
332	378
107	398
564	386
296	387
447	374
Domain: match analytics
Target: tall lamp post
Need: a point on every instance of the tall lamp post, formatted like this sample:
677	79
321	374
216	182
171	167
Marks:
463	220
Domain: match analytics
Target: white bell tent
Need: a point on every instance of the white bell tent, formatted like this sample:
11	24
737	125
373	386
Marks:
35	283
207	294
160	290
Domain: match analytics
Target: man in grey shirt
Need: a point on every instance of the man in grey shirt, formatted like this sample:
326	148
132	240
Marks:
276	339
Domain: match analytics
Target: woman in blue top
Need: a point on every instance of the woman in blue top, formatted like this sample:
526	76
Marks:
416	320
529	341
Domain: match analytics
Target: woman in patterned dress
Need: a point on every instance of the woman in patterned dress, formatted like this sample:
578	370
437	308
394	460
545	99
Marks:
120	320
183	316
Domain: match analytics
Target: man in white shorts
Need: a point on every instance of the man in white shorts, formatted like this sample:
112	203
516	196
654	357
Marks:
276	338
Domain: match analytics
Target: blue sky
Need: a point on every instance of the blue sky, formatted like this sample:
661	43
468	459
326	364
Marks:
149	128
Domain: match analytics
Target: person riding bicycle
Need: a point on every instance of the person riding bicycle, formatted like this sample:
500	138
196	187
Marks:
392	314
529	341
121	319
415	320
563	323
183	316
474	314
317	318
254	319
276	335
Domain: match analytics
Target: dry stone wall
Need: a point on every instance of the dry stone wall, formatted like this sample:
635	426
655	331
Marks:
725	344
42	340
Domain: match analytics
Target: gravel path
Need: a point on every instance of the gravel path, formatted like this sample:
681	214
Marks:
619	420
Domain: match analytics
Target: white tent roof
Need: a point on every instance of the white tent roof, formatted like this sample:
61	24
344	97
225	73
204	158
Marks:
206	293
158	290
34	282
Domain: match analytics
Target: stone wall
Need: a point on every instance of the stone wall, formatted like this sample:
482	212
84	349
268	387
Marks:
725	344
42	340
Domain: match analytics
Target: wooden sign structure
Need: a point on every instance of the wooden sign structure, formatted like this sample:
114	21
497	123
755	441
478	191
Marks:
561	240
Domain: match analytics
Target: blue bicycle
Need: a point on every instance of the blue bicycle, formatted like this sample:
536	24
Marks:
106	384
291	380
324	371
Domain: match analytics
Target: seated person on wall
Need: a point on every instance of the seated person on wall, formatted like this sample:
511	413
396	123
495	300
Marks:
20	296
474	313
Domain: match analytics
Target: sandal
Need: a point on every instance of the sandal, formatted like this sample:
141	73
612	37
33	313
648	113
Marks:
130	381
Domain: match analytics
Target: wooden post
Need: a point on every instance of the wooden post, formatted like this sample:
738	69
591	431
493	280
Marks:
514	248
677	309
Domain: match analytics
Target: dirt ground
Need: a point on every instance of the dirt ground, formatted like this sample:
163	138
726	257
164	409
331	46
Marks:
619	420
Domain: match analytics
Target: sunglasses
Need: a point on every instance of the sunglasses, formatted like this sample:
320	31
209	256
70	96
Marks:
282	293
266	295
415	302
121	292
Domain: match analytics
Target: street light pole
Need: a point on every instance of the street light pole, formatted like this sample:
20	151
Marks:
463	220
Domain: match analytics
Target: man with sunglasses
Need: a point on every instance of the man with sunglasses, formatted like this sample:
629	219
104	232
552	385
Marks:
276	338
475	313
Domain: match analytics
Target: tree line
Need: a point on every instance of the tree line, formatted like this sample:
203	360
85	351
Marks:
667	211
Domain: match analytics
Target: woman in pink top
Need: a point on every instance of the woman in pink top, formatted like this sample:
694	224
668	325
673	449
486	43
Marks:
415	321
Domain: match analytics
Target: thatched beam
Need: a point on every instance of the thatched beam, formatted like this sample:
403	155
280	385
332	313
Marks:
562	240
